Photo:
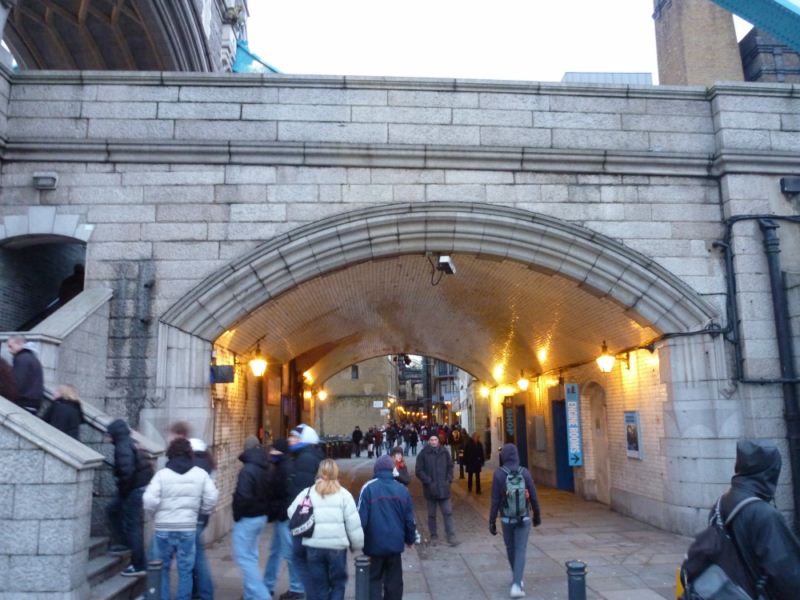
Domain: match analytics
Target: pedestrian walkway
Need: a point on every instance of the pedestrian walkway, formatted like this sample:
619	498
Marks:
627	559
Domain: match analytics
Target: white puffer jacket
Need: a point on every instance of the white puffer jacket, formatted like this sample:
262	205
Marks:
336	522
177	498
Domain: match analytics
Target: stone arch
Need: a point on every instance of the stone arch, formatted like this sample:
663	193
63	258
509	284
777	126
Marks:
600	265
44	223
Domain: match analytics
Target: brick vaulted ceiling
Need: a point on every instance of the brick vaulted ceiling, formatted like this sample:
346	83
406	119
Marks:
137	35
489	312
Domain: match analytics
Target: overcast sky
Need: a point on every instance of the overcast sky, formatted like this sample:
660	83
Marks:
504	39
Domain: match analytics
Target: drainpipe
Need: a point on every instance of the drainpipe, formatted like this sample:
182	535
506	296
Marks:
780	307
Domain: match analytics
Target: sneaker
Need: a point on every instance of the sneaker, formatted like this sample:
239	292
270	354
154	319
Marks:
131	571
516	592
291	596
453	542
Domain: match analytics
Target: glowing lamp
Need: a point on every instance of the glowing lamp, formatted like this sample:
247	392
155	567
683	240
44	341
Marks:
258	365
322	395
605	362
522	383
484	391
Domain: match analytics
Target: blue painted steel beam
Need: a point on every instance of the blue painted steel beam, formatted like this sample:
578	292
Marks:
780	18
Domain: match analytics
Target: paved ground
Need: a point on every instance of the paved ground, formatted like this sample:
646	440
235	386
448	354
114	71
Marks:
627	559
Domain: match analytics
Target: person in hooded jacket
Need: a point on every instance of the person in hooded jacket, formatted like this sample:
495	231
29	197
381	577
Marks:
176	495
281	547
473	461
435	470
250	505
305	460
132	473
762	534
27	374
515	534
65	413
387	517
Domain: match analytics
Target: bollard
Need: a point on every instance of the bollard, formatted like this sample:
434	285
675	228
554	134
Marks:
153	585
576	579
362	577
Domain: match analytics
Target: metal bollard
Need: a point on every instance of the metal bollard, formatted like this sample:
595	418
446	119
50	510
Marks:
362	577
152	589
576	579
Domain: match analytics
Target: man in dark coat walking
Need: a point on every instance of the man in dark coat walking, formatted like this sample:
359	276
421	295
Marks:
356	437
124	512
435	470
27	374
387	517
760	530
473	461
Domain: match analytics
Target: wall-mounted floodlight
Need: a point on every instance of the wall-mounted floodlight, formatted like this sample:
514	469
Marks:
45	180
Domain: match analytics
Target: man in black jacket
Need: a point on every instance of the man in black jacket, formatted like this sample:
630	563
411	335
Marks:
435	470
250	504
132	472
28	375
761	532
356	438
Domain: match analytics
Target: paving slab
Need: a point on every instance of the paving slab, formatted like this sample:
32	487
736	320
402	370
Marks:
627	559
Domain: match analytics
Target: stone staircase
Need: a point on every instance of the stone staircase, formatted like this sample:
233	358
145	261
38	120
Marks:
103	571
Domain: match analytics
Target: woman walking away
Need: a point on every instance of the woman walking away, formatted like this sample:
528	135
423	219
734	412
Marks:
337	527
65	412
513	493
473	461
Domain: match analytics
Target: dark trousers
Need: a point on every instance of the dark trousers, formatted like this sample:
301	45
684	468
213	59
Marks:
357	449
125	520
477	482
327	574
386	577
446	506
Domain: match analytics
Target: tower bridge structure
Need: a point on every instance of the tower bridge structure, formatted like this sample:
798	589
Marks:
293	217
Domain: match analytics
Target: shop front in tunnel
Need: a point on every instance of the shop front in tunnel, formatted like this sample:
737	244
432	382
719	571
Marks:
525	313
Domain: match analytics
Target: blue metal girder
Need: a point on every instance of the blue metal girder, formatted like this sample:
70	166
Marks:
780	18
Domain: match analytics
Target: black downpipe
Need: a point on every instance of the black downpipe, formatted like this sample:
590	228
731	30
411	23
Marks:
780	307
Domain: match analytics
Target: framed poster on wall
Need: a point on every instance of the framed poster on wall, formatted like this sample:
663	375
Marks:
633	435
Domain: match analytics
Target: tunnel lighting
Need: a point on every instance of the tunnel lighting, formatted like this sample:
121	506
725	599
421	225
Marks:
484	391
498	371
307	395
522	383
258	365
605	361
322	395
308	377
542	354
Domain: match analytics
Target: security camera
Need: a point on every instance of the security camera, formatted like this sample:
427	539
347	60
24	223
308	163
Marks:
446	264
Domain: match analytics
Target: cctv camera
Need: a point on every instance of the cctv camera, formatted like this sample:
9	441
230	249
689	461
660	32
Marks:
446	264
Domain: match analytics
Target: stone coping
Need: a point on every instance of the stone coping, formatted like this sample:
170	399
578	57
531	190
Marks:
100	421
68	317
49	439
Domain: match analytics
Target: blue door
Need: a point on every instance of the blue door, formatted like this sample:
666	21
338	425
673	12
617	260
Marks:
565	479
522	436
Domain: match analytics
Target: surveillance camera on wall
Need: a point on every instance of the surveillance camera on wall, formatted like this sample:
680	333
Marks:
446	264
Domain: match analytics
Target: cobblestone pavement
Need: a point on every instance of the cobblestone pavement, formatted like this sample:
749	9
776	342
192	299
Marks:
627	559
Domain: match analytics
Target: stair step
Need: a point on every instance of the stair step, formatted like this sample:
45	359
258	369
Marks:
103	567
98	546
119	588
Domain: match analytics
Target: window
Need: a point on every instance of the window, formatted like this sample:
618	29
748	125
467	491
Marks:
354	372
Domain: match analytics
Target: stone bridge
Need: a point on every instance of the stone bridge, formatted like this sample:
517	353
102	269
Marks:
296	216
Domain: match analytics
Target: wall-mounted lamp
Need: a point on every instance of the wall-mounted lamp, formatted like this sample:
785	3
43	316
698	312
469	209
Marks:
45	180
484	391
523	382
307	395
322	395
258	364
605	361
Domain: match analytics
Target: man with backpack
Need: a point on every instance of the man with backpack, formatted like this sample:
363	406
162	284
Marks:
513	495
748	542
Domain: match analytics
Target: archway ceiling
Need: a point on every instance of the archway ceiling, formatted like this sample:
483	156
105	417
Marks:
490	312
137	35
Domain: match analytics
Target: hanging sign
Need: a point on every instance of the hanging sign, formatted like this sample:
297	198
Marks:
573	407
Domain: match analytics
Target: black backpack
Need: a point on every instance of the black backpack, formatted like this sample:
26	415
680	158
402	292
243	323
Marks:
715	568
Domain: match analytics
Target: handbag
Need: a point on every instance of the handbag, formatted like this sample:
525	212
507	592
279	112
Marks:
302	522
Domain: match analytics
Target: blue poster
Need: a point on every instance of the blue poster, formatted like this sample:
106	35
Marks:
573	407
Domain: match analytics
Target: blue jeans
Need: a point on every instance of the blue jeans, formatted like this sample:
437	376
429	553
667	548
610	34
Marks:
516	538
245	537
327	573
203	586
281	548
125	520
181	545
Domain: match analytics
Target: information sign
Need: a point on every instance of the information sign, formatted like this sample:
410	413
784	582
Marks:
573	407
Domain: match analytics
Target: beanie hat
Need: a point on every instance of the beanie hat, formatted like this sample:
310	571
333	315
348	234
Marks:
281	445
251	442
384	463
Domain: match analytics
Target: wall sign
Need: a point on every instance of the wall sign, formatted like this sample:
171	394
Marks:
377	404
573	408
633	434
508	417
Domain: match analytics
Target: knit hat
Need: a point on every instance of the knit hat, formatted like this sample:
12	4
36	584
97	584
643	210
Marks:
251	442
281	445
384	463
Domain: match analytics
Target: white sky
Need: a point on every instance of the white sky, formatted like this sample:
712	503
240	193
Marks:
500	39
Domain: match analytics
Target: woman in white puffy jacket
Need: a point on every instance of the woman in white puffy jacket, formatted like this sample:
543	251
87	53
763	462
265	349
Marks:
337	527
176	495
